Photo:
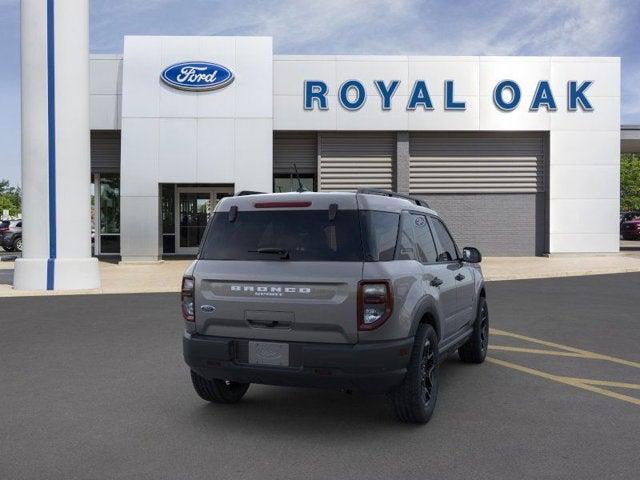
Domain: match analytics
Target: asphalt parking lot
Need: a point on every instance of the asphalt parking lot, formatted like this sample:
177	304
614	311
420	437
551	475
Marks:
95	387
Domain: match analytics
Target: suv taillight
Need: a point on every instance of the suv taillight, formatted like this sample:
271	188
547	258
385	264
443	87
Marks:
375	303
186	298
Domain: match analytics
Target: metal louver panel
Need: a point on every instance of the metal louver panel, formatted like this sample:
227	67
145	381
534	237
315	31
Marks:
476	163
352	160
105	151
295	147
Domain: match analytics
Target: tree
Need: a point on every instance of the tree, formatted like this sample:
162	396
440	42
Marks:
10	198
630	182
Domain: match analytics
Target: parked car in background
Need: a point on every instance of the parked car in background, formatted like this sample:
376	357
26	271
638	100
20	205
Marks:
630	225
626	216
4	226
11	236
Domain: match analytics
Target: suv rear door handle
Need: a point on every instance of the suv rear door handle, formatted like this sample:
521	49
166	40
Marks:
436	282
459	277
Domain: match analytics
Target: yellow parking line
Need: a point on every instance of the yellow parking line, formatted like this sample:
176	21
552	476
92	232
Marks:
536	351
584	353
565	380
605	383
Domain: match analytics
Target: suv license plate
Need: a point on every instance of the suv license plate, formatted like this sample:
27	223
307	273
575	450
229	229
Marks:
269	353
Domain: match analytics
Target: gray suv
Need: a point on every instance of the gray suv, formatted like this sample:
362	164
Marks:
361	291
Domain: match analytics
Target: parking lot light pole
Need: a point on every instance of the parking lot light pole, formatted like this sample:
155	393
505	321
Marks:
55	148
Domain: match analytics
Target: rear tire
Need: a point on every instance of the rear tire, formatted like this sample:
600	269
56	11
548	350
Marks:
475	349
218	391
415	400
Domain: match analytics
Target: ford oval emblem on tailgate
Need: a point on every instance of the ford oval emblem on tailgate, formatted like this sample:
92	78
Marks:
207	308
197	76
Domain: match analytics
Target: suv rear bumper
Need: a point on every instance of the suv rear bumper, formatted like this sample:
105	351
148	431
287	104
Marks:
364	367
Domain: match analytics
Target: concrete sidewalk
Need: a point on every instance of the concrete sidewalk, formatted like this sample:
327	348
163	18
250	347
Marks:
166	276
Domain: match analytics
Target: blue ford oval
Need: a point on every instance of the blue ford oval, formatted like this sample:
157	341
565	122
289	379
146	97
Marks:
197	76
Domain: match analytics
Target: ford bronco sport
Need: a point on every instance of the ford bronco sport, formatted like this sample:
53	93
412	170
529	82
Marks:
361	291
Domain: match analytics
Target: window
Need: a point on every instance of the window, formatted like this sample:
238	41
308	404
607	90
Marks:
380	231
168	213
306	235
448	250
109	213
406	243
424	240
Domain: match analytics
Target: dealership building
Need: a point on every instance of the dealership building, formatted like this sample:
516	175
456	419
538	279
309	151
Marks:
520	155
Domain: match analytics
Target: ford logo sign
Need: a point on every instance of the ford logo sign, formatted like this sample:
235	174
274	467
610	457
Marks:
197	76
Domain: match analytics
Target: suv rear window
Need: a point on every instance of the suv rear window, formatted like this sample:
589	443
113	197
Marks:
307	235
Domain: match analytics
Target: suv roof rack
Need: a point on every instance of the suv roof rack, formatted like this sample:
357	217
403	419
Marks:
387	193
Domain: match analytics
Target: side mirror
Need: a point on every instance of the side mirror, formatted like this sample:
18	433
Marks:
471	255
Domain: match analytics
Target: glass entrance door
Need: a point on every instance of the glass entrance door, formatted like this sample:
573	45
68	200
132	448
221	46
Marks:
194	206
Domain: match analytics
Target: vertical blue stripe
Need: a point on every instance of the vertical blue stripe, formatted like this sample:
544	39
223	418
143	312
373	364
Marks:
51	111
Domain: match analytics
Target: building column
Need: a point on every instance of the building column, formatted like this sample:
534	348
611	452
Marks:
56	209
402	163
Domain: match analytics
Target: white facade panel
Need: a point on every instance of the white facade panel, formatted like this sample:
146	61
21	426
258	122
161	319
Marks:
372	117
139	157
520	119
525	71
586	215
368	71
216	143
571	149
590	181
289	114
289	75
439	119
465	71
177	150
141	66
605	116
253	164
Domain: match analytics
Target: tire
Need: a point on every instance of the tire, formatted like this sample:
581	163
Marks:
17	245
475	349
218	391
415	400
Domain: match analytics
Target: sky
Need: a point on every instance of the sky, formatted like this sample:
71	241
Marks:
426	27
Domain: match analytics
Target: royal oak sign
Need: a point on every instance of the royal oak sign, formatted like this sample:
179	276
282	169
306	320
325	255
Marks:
506	95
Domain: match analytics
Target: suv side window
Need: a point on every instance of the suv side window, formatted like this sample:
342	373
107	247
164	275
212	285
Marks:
448	250
406	249
424	240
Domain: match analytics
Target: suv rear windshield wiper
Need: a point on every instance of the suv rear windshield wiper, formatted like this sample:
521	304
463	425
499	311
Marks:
283	252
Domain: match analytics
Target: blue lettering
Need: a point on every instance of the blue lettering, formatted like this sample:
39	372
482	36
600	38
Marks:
576	96
449	104
420	96
315	91
499	100
343	95
386	92
543	97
